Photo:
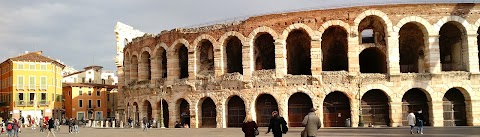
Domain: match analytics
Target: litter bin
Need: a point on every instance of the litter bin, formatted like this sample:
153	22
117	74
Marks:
347	122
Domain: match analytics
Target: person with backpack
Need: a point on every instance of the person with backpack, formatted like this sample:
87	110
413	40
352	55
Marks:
9	128
278	125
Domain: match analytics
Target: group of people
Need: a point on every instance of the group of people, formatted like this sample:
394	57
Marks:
278	125
180	125
416	119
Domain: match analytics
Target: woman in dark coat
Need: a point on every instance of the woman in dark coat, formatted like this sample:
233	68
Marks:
249	126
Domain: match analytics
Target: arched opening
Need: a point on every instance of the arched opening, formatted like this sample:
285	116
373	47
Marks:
454	112
184	110
298	53
453	47
148	109
205	58
234	55
165	113
136	114
162	61
412	45
145	71
127	66
335	49
372	60
264	106
299	106
236	112
372	30
375	108
183	61
415	100
336	109
209	114
264	52
134	68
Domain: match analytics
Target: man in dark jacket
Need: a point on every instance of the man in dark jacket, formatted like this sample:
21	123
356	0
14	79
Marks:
145	123
420	121
278	125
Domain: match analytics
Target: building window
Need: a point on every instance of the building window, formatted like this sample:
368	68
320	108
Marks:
80	103
80	92
69	93
108	96
32	83
98	92
20	96
83	79
80	116
89	103
19	66
43	96
89	93
98	103
32	66
43	67
43	83
32	97
20	83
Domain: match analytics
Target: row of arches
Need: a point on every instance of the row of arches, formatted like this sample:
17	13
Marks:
414	49
375	108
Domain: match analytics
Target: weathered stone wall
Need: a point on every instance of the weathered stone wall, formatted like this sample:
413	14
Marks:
281	85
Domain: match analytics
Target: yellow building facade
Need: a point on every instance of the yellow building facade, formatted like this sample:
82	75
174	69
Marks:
31	87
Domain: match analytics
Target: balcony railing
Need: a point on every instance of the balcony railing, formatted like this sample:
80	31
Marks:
43	87
20	103
43	103
20	86
31	87
30	103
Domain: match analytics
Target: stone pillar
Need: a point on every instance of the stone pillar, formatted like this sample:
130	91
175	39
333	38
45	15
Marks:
283	108
156	114
396	114
353	55
247	61
393	54
142	69
280	58
221	115
218	61
192	64
433	54
355	112
472	53
194	116
126	70
156	68
436	113
173	68
316	56
174	114
474	116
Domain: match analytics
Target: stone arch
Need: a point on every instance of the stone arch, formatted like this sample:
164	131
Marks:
234	63
299	105
207	112
378	13
425	88
412	100
204	55
263	29
144	65
265	104
126	67
159	46
162	104
334	45
183	111
148	109
413	45
201	38
177	43
134	67
457	107
300	26
424	25
453	43
224	38
179	60
373	60
331	23
375	107
381	87
236	111
298	48
263	47
464	88
336	109
160	57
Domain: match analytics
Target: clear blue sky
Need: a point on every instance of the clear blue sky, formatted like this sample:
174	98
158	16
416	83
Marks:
80	33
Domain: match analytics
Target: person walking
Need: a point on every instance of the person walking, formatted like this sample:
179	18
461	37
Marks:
75	125
411	121
130	120
57	125
249	127
145	123
15	127
9	128
42	125
312	123
21	120
70	125
51	127
278	125
420	121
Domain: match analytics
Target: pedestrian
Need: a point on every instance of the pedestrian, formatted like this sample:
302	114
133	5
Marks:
145	123
9	128
70	125
51	127
57	125
249	127
278	125
21	120
178	125
75	125
15	127
312	123
420	121
411	121
32	121
130	120
42	125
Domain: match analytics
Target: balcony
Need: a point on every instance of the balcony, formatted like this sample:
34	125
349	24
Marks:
31	87
43	87
20	87
43	103
20	103
30	103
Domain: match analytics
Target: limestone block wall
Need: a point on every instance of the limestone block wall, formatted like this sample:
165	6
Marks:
277	83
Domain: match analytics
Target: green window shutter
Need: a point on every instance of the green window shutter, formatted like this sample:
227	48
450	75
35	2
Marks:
53	97
17	97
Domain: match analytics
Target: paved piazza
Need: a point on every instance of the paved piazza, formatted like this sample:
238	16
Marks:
236	132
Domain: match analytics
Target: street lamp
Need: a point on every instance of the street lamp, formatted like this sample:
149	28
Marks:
360	119
161	94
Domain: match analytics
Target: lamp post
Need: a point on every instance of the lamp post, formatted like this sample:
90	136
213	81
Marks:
360	119
161	94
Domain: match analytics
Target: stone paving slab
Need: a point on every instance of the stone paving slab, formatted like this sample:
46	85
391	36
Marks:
237	132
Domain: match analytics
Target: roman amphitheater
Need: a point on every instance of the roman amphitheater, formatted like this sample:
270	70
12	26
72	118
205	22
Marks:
369	65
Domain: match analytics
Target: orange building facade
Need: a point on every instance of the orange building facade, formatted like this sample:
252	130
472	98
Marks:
86	101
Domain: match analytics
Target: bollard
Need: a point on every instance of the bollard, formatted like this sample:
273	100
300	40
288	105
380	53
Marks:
89	123
101	123
107	124
113	124
121	124
141	124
